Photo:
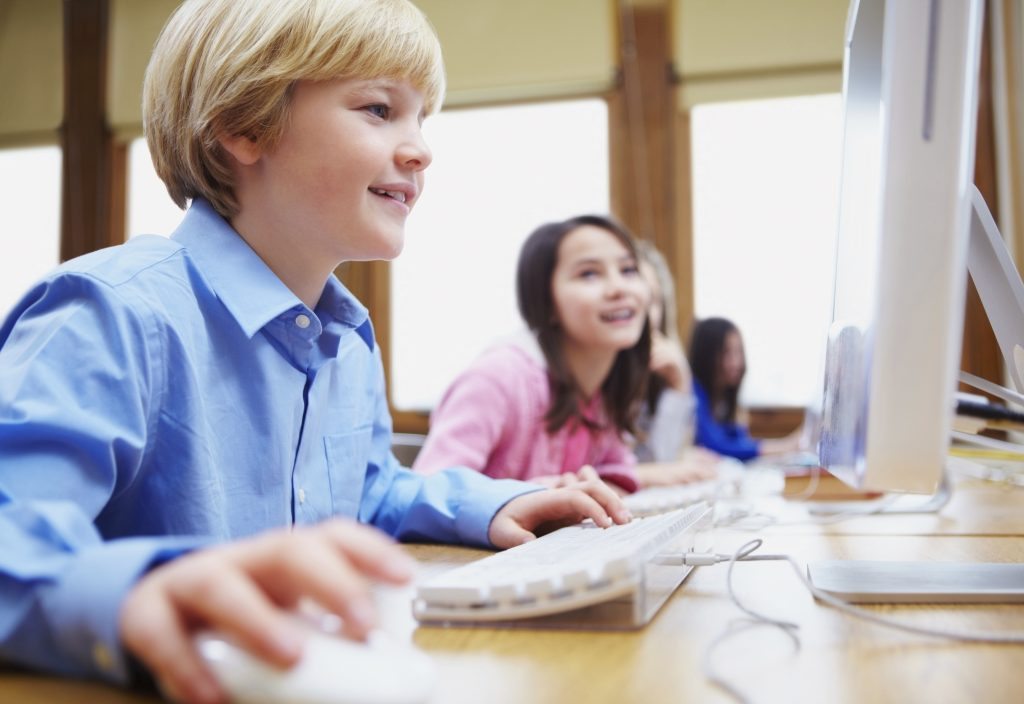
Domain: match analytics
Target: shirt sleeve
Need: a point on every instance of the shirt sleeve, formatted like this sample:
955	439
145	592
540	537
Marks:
466	425
74	379
618	465
672	426
451	505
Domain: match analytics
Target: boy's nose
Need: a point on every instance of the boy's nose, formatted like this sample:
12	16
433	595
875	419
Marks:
414	153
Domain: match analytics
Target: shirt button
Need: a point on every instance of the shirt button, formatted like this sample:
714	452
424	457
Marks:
302	320
102	656
302	496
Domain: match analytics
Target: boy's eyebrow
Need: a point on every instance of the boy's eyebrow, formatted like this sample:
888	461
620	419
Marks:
370	84
385	83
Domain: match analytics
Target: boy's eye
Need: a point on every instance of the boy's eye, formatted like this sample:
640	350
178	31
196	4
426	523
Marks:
588	273
379	109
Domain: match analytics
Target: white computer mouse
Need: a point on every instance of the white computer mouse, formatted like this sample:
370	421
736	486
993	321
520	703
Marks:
333	670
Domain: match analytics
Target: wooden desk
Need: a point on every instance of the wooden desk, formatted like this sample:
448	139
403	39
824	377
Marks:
977	507
840	660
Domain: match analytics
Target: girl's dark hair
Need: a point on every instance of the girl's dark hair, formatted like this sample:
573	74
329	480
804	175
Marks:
707	345
626	384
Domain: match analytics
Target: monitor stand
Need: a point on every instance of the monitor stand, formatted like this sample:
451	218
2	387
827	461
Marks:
903	504
919	582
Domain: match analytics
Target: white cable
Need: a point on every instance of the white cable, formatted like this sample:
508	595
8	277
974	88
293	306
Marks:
743	554
734	628
757	520
744	518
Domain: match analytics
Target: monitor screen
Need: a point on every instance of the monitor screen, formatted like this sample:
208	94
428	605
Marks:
910	88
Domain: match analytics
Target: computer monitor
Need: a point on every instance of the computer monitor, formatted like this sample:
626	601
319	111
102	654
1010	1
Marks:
908	210
893	354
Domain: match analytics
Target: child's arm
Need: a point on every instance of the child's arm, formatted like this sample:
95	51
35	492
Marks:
452	504
62	587
728	440
616	463
74	413
668	361
467	423
459	505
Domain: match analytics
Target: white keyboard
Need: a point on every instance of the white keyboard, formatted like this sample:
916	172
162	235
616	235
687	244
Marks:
564	570
658	499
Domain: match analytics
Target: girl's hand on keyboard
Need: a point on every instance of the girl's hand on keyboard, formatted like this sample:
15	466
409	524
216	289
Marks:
528	515
586	473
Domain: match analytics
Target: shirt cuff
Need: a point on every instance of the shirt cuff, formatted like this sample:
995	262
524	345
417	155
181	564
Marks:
84	606
480	499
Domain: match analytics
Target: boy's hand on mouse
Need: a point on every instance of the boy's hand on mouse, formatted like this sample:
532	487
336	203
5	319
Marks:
247	590
523	517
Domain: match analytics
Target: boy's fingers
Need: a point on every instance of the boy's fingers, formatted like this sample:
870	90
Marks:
231	603
586	505
371	552
610	503
318	569
152	631
507	533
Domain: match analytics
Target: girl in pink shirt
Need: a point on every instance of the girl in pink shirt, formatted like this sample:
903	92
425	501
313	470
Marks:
545	406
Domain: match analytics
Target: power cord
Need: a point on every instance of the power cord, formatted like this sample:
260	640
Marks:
754	618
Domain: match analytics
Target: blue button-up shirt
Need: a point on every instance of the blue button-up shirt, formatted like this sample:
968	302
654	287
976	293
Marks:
167	393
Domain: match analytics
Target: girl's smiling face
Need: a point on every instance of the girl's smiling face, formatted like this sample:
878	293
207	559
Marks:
600	297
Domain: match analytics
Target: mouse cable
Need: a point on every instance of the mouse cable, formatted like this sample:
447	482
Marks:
754	618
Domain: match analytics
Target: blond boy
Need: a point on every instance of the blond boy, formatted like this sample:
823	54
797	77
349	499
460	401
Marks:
180	418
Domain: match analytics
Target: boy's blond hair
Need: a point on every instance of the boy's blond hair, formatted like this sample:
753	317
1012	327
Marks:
227	67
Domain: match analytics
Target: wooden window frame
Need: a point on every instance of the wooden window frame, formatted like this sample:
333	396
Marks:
649	152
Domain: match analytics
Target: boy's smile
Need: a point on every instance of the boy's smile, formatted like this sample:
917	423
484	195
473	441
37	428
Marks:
339	183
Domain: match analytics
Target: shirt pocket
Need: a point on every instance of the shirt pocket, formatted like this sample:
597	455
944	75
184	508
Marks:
347	458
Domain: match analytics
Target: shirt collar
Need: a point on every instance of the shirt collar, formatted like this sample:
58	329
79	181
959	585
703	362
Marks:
246	286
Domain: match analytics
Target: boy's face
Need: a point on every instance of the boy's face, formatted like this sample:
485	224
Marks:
348	168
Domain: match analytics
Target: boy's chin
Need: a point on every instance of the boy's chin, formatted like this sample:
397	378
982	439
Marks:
393	251
387	248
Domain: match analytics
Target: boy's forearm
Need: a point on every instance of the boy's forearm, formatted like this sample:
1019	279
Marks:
60	602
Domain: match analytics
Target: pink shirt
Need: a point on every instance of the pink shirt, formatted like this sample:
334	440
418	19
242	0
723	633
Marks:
491	419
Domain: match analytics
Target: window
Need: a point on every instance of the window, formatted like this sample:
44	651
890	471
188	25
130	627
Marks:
150	209
768	265
30	185
497	174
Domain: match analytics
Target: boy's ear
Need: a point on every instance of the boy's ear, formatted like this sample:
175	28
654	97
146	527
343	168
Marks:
245	149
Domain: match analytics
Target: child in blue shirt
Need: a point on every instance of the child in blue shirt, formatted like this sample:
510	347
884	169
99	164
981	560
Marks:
179	418
719	365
